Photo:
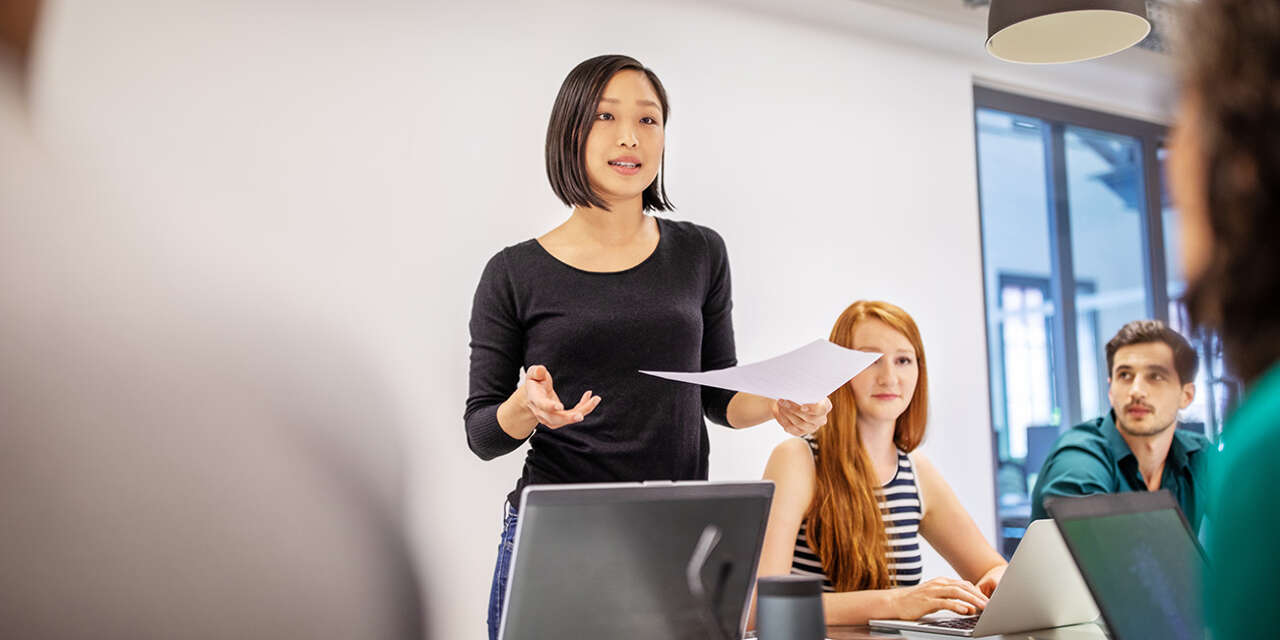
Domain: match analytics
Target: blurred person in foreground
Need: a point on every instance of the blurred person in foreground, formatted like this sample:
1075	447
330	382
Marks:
176	461
1225	175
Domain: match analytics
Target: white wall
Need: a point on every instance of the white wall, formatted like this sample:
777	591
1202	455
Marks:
369	157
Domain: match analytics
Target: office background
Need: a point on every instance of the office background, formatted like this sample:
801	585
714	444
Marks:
375	157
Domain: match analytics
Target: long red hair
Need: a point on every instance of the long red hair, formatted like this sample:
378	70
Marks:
844	524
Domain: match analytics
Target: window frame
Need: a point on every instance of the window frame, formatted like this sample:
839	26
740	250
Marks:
1063	285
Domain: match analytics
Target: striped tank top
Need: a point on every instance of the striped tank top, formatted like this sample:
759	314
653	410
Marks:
901	509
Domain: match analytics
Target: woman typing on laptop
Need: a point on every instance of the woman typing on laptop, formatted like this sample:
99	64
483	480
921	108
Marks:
853	500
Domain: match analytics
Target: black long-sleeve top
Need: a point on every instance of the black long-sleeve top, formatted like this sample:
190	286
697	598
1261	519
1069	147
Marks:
671	312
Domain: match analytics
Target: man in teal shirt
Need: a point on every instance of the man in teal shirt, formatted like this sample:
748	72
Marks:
1137	445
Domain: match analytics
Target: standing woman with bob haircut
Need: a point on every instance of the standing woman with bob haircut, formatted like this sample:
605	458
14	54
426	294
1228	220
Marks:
607	293
852	502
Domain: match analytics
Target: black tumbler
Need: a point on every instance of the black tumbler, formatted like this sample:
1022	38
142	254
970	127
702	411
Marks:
789	608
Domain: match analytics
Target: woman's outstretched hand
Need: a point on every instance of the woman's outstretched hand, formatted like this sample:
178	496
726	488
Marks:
541	400
800	419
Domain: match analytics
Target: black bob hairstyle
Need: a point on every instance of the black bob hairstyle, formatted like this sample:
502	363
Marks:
571	120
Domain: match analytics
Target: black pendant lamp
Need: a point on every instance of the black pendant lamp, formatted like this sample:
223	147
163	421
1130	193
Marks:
1055	31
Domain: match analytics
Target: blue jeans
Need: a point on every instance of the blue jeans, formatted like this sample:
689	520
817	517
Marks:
498	593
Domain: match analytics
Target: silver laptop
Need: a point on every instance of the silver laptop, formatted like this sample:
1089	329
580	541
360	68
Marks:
1041	589
652	560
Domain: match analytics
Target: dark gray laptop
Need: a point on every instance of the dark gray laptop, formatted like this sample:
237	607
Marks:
1140	560
665	560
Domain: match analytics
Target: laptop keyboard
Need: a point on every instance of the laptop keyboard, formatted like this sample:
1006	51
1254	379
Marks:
954	623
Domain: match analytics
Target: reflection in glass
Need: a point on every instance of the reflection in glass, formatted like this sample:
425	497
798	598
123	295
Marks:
1015	235
1106	200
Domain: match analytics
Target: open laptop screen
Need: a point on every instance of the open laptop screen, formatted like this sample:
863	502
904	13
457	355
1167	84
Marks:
612	561
1140	560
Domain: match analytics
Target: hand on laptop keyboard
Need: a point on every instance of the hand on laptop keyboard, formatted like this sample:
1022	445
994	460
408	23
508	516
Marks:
938	594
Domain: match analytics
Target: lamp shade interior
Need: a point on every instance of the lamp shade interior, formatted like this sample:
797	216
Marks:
1068	36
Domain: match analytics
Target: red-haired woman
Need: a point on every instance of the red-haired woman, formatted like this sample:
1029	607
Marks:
853	499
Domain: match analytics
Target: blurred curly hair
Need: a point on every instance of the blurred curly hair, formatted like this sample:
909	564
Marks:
1231	69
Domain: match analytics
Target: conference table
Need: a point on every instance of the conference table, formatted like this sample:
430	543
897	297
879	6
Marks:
1086	631
860	632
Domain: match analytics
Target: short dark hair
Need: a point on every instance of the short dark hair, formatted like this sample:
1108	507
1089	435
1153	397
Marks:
571	119
1185	360
1230	71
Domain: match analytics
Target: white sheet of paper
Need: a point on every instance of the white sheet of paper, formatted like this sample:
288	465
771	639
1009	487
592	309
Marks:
804	375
